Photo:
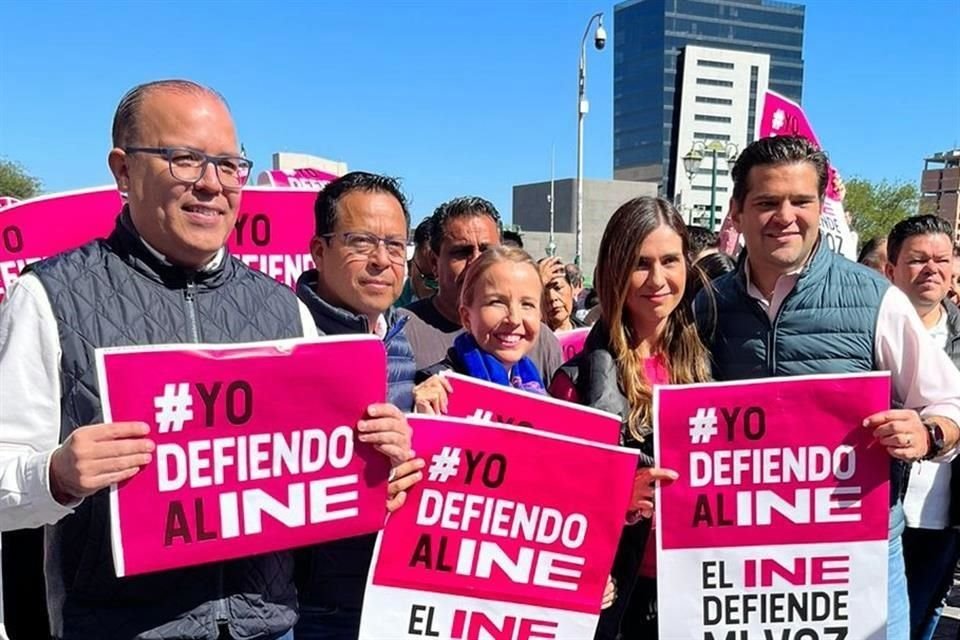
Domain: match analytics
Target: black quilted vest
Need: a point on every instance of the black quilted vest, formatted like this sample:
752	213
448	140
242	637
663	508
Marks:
114	292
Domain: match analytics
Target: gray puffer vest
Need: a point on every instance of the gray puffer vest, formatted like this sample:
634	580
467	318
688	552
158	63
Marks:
115	292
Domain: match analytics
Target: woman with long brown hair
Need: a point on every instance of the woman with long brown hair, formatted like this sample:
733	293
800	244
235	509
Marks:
646	336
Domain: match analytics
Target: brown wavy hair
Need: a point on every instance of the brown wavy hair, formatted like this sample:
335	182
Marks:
687	358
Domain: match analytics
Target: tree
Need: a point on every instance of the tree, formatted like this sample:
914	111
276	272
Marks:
16	182
876	206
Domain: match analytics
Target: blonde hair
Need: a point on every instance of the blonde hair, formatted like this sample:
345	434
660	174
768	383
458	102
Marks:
687	358
487	259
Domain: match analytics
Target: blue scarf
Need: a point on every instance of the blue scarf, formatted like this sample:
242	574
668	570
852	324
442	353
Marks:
484	366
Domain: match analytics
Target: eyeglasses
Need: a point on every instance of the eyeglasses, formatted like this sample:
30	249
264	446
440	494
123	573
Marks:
188	165
366	244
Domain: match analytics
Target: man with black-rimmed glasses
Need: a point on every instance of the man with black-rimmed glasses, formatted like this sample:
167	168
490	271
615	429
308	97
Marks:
162	276
360	249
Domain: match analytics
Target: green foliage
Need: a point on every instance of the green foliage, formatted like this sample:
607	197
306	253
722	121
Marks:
16	182
876	206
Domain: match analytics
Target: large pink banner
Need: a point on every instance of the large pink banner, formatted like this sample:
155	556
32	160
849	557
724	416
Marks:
778	521
255	448
504	534
488	402
312	179
272	232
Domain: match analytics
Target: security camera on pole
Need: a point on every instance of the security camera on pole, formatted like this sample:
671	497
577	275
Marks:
599	41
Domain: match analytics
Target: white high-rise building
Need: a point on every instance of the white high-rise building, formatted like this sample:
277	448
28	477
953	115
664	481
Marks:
720	93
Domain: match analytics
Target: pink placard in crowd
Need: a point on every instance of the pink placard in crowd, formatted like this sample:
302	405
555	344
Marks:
782	494
312	179
488	402
272	232
781	116
255	448
505	533
571	342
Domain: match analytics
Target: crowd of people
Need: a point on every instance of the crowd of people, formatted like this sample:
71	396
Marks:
665	308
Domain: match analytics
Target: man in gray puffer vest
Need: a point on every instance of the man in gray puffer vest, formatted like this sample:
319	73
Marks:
360	249
794	307
163	276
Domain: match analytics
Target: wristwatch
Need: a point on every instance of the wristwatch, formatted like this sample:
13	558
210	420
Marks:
934	439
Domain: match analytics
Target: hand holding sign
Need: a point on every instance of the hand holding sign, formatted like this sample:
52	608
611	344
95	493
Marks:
385	427
97	456
644	483
901	432
403	477
430	396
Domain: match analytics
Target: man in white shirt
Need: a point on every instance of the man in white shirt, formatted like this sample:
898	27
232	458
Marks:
920	261
793	307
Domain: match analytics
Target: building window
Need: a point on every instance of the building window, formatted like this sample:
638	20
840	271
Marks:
710	82
709	100
700	187
716	64
705	118
699	135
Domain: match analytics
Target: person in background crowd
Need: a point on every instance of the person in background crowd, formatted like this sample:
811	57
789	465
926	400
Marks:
359	248
713	265
824	315
421	282
575	278
954	293
460	230
558	296
162	276
703	241
646	336
873	254
920	261
513	239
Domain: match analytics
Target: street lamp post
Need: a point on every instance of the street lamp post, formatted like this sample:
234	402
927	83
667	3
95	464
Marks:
551	245
691	164
599	41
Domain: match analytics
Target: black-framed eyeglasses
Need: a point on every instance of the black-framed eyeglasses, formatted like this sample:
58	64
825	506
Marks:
187	165
366	244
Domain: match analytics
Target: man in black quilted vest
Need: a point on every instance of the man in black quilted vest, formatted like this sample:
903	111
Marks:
162	276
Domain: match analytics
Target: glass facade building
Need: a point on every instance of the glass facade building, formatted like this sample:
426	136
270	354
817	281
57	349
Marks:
649	37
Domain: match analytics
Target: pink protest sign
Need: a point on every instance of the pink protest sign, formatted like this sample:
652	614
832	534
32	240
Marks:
272	232
778	521
504	537
312	179
571	342
783	117
255	448
488	402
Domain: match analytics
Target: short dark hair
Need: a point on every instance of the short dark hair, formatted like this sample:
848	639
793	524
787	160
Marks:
868	254
924	225
573	274
126	119
325	206
776	151
512	238
459	208
421	235
701	238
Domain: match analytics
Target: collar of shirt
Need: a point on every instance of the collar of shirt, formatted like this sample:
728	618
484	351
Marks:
380	328
784	285
939	331
210	266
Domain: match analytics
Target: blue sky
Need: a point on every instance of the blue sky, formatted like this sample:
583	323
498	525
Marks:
453	97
